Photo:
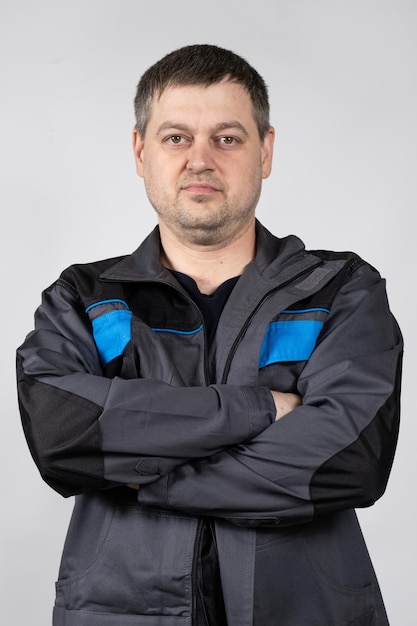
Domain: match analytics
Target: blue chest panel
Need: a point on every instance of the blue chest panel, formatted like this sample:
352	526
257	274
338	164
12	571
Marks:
292	337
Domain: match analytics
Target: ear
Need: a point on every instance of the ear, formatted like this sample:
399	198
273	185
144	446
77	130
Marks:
138	146
267	149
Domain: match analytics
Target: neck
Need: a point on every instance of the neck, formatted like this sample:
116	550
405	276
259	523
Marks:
209	266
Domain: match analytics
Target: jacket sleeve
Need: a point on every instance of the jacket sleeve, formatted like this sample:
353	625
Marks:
86	431
333	452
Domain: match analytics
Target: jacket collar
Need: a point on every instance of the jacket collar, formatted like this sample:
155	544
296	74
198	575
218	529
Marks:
143	264
275	258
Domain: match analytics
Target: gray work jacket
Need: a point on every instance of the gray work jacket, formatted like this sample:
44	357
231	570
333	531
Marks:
117	386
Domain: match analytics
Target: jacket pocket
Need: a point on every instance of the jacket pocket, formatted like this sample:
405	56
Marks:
142	565
313	578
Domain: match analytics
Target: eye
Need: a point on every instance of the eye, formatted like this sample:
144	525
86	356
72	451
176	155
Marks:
227	141
174	139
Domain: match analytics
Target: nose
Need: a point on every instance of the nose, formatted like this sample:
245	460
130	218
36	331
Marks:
200	157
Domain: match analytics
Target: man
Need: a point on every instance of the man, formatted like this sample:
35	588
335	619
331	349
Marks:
221	400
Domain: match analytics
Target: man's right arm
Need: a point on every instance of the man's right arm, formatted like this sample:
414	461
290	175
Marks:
86	431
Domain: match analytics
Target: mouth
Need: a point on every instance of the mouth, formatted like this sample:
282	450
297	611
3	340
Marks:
200	188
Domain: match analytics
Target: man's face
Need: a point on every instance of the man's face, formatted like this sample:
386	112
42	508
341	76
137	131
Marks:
203	162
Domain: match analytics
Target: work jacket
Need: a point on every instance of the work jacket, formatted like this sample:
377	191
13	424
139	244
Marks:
117	387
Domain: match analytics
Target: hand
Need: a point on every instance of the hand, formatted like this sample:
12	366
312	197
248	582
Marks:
285	402
133	486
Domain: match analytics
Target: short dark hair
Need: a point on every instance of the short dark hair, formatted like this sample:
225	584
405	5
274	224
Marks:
201	64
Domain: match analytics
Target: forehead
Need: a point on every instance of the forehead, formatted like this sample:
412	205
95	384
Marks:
214	104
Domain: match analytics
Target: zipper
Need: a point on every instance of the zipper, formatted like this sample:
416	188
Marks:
249	319
195	587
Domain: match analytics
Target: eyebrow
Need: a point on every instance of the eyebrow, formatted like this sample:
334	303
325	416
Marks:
233	124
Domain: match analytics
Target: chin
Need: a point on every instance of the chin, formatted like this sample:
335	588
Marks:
207	235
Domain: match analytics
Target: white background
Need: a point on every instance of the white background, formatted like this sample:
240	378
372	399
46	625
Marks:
342	80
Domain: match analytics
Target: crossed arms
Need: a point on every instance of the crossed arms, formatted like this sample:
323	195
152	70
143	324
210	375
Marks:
243	453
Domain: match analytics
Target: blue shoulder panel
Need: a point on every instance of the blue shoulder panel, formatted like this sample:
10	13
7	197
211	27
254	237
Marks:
112	334
111	322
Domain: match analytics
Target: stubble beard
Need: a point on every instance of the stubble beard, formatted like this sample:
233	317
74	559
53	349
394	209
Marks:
209	227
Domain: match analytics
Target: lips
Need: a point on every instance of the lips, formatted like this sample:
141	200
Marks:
200	187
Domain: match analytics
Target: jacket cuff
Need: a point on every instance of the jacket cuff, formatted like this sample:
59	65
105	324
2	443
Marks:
262	409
